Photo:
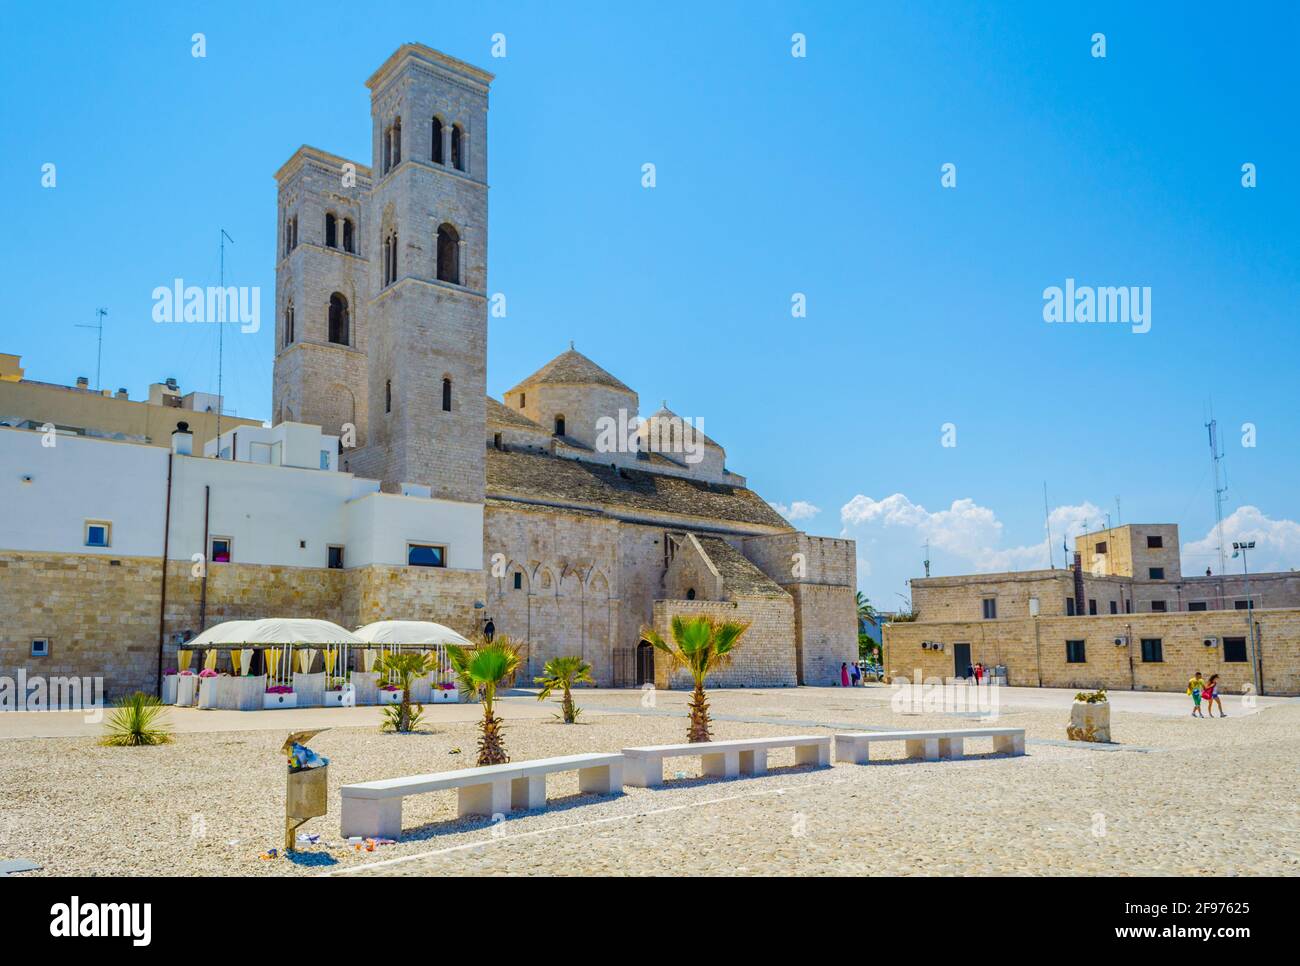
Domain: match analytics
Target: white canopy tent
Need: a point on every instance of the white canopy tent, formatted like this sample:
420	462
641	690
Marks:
410	633
274	630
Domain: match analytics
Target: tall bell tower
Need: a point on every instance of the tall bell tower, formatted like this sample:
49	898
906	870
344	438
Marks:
426	244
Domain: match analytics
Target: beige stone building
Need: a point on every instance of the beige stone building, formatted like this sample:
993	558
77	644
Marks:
555	513
1123	615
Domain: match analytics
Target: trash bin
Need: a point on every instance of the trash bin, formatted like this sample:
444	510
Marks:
307	784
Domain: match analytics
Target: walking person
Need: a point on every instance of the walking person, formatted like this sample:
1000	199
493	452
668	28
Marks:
844	674
1210	695
970	673
855	673
979	673
1195	686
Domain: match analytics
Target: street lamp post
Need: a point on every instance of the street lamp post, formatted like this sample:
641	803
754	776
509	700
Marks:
1240	547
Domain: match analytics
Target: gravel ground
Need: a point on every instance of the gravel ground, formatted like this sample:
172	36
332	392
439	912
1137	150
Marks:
1173	796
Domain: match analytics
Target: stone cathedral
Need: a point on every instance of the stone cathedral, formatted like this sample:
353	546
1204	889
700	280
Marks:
381	337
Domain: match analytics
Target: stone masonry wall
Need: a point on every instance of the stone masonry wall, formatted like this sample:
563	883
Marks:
765	657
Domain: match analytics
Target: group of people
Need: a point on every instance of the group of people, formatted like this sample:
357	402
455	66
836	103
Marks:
1205	691
850	674
976	672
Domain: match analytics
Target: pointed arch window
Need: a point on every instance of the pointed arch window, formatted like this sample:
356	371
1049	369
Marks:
388	396
349	236
331	231
390	258
288	323
397	142
436	153
446	394
338	320
448	254
559	425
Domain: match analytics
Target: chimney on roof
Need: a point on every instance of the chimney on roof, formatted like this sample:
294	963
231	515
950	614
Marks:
121	393
83	382
182	440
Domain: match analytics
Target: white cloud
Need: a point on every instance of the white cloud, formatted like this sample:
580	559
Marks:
1277	543
796	511
963	538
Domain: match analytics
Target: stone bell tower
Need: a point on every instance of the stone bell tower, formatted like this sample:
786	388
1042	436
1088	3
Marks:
426	242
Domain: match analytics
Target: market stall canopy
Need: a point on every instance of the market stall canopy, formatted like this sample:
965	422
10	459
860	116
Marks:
410	632
274	630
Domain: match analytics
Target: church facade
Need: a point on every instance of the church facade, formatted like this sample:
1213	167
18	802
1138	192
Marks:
390	485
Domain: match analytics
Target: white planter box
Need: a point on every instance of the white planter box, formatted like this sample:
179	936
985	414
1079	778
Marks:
347	698
187	688
289	700
169	689
446	697
390	697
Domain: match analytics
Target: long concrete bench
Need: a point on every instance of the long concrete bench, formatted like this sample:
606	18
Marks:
375	808
929	745
644	767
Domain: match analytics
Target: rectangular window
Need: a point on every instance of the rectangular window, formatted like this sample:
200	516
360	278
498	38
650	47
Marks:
1069	607
1153	650
990	608
1092	608
1074	653
1234	650
519	580
220	550
1196	605
1101	547
1128	606
1241	605
1114	607
426	555
1158	607
335	553
1155	543
99	533
1156	573
41	647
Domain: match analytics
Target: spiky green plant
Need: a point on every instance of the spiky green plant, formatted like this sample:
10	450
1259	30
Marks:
562	673
135	720
701	645
481	669
400	667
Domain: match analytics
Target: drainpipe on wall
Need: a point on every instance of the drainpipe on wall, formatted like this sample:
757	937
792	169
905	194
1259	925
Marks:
203	589
162	596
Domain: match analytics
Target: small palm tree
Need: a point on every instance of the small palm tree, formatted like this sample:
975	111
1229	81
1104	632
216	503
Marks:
866	609
701	645
563	673
481	669
404	666
136	721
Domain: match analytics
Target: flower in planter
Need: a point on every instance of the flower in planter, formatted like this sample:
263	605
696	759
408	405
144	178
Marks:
187	673
207	672
390	687
280	689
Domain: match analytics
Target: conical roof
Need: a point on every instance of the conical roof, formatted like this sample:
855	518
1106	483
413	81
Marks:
574	369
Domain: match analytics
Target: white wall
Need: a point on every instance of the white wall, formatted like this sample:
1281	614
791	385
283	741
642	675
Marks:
265	510
78	479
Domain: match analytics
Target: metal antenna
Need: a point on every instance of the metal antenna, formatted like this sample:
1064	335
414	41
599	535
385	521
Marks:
221	331
99	351
1216	455
927	558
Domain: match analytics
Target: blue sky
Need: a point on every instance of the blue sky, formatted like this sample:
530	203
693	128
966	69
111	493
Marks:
776	175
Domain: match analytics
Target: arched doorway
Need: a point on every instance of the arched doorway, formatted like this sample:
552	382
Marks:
645	664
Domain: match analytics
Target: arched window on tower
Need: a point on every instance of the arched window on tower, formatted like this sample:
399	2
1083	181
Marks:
338	319
436	153
397	142
390	258
331	231
388	395
448	254
349	236
446	394
458	146
559	425
288	323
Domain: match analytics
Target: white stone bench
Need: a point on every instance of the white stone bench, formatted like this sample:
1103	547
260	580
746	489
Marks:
930	745
644	767
375	808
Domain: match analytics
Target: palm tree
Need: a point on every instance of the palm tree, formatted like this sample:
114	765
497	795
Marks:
866	609
563	673
480	669
404	665
701	645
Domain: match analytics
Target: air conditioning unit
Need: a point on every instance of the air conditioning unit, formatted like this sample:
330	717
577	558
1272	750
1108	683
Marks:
925	645
1211	642
936	645
1120	642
